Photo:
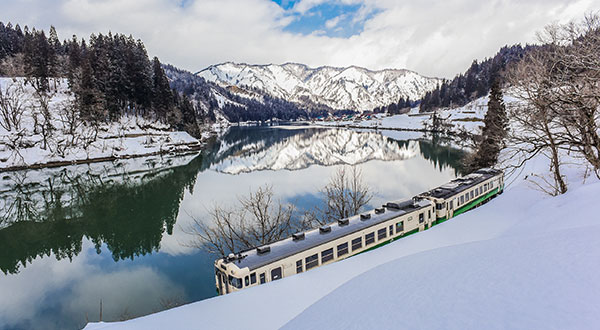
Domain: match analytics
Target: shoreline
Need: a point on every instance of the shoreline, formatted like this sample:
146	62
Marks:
191	148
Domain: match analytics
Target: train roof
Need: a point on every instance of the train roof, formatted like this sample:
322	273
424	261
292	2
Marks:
315	237
459	184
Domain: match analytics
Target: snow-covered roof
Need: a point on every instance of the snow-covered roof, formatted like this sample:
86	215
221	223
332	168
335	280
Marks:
460	184
315	237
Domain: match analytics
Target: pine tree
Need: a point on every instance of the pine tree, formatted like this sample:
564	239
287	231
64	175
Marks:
494	130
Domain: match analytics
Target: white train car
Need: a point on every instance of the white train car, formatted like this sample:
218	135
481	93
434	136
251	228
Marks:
347	237
465	193
323	245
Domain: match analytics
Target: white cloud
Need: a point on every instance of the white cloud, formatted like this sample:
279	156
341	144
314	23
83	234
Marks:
433	38
330	24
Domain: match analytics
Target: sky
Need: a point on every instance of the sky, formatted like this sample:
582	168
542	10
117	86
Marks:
433	38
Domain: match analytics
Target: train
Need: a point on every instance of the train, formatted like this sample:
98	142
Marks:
347	237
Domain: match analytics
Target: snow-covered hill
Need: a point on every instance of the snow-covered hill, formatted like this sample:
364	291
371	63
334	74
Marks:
351	88
522	261
324	147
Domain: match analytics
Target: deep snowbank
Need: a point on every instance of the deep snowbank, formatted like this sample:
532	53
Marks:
523	261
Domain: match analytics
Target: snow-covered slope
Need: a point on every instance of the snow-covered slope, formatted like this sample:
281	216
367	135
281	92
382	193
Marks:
68	138
352	88
324	147
522	261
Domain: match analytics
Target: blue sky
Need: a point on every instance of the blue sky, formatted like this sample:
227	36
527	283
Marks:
331	18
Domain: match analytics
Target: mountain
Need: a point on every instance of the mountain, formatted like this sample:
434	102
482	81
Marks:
234	104
351	88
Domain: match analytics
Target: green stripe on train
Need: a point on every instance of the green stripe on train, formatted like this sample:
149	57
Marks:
458	211
475	202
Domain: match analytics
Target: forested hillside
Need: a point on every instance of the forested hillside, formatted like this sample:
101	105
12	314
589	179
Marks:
475	82
109	75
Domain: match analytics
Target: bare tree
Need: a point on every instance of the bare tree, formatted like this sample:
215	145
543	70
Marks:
345	195
11	106
535	125
42	115
259	219
575	71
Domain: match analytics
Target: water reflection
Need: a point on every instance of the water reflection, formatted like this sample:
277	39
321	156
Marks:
114	231
127	205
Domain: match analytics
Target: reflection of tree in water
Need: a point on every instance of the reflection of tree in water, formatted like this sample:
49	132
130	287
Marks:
128	214
439	154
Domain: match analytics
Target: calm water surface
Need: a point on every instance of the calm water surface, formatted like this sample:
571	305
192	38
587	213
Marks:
116	233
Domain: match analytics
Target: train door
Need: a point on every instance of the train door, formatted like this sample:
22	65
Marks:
220	282
226	283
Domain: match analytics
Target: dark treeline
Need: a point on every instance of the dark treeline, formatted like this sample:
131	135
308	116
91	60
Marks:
475	82
402	106
110	75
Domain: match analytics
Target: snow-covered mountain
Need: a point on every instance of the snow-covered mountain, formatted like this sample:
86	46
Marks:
316	147
351	88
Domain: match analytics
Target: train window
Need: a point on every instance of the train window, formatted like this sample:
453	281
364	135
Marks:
247	280
391	230
428	214
399	227
312	261
472	194
326	255
298	266
462	199
381	234
356	243
451	204
369	238
276	274
421	217
262	278
236	282
252	278
342	249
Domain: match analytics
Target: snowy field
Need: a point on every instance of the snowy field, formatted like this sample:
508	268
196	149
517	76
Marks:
466	118
70	140
525	260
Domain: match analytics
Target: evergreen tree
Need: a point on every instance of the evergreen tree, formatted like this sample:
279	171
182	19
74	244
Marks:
494	130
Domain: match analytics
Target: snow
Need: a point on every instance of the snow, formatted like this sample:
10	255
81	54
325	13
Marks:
127	137
525	260
466	118
352	88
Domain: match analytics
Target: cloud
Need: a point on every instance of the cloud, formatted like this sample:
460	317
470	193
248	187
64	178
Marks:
330	24
433	38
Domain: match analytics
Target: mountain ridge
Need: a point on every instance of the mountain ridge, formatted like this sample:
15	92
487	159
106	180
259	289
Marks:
339	88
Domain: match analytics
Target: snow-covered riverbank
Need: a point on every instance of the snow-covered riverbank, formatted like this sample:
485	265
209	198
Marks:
468	118
31	139
523	261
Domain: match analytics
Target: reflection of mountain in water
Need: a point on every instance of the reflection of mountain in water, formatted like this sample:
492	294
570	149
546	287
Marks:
312	147
128	207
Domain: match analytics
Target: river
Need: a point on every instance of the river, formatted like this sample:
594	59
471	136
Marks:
113	238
